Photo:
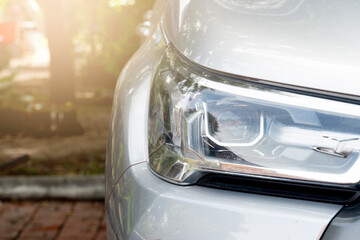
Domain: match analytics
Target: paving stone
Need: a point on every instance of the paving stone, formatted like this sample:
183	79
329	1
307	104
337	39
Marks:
13	218
101	236
84	222
102	230
52	220
35	235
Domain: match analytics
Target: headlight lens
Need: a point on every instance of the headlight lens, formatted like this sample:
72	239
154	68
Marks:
201	122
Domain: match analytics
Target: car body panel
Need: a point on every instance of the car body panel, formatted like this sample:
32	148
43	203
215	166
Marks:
137	201
141	206
303	43
127	142
146	207
346	225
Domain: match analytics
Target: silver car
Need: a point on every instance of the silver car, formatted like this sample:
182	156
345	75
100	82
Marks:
239	119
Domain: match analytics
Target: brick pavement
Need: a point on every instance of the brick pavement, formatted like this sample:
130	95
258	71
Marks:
53	220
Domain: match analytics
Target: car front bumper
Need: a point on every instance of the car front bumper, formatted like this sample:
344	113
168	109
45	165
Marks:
143	206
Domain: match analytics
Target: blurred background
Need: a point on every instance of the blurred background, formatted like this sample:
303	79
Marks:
59	61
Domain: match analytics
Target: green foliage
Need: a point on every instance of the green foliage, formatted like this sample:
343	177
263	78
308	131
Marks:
108	30
2	5
5	55
4	51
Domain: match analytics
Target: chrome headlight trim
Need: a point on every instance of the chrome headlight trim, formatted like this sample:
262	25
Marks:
189	165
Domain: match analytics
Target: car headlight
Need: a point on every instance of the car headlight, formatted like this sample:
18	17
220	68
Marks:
202	122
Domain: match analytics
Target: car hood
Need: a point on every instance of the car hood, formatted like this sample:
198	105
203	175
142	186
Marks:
312	44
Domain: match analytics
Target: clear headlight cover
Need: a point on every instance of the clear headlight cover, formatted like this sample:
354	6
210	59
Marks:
200	122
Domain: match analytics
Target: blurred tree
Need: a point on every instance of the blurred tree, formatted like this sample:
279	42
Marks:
59	16
104	33
108	28
4	50
121	22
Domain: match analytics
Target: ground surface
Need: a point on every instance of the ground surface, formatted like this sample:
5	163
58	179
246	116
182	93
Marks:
58	155
71	155
52	220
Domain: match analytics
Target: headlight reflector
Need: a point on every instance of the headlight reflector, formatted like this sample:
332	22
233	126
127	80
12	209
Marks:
200	122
